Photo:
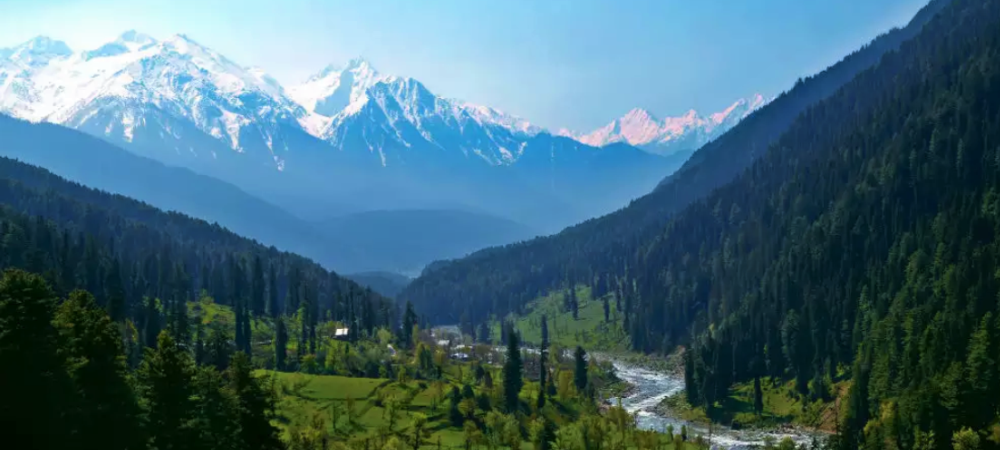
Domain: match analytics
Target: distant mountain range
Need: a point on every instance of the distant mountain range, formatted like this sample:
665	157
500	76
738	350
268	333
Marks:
672	136
379	152
347	140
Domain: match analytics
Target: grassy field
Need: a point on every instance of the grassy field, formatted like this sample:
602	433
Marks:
589	329
303	397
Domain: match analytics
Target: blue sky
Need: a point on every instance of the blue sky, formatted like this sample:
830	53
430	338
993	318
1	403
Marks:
558	63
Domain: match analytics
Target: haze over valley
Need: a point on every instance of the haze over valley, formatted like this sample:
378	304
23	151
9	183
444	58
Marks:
347	141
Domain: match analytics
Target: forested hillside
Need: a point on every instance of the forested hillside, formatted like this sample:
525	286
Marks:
503	279
126	252
864	244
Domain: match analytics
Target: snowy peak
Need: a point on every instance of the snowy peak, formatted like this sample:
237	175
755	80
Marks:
37	52
339	92
671	135
135	40
129	41
334	88
638	115
136	81
739	110
486	115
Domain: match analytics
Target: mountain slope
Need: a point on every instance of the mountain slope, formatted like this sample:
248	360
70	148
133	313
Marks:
98	164
604	246
862	245
79	237
386	284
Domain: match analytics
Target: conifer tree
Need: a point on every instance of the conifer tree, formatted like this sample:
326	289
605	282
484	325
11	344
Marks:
218	350
105	413
543	356
545	332
512	373
33	382
758	396
273	308
409	321
542	381
580	378
216	424
151	321
165	376
257	288
574	303
255	407
115	293
280	344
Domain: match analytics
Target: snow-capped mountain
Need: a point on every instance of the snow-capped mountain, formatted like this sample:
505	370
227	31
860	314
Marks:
138	89
356	106
347	139
672	135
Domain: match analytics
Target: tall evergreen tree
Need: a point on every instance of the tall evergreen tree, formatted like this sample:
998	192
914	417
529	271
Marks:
152	321
580	378
105	412
247	346
545	332
280	344
33	382
239	316
293	296
758	396
255	407
273	308
166	379
409	321
574	303
543	356
513	369
257	286
218	349
115	293
542	378
216	424
981	375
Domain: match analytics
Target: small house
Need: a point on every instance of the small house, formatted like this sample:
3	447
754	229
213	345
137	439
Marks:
341	334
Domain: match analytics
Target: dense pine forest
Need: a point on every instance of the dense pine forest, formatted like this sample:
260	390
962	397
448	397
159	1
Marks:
126	252
862	245
501	280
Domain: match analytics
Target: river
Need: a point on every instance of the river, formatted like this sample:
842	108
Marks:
651	387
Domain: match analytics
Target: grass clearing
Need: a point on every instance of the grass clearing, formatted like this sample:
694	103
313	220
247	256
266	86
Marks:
589	329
